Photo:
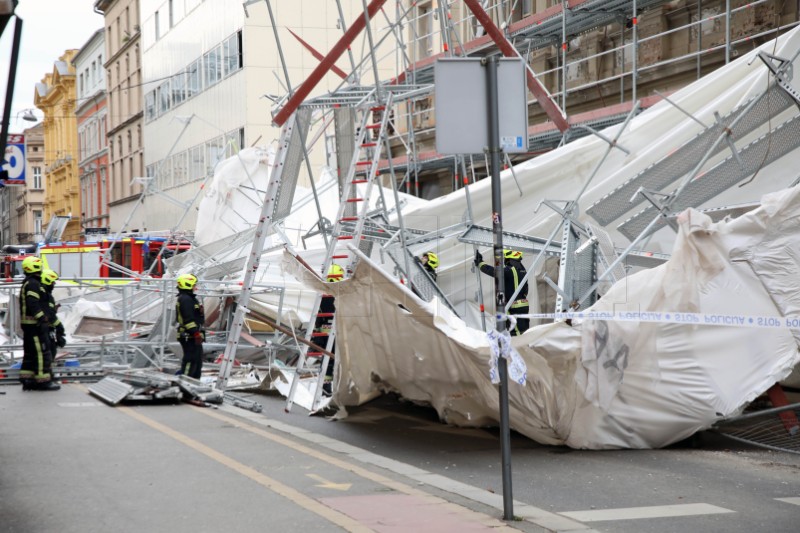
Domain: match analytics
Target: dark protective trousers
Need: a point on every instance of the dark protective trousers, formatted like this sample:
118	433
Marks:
192	362
36	359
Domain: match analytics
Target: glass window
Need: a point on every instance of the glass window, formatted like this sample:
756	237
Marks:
212	65
197	168
158	25
150	106
178	88
37	222
233	55
193	79
179	168
37	177
163	98
164	178
103	192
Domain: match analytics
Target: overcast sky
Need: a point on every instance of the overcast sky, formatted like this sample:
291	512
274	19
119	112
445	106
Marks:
49	28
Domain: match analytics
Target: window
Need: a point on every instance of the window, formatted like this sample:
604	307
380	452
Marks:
212	66
179	168
232	48
178	88
37	177
171	14
215	152
150	106
196	163
163	97
193	79
424	31
84	198
158	28
103	192
37	222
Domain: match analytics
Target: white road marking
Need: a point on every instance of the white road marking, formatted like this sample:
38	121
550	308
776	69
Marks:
658	511
795	501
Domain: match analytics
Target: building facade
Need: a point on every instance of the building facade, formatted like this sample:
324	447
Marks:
92	115
55	97
635	52
125	104
210	72
29	200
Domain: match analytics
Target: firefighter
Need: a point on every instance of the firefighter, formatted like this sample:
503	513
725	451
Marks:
430	262
513	273
324	322
190	315
56	336
35	373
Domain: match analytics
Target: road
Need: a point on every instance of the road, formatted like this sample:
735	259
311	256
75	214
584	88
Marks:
72	463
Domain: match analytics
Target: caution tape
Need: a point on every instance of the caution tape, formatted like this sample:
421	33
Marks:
694	319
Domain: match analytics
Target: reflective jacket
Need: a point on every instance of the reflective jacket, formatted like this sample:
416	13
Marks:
513	273
32	301
50	307
189	312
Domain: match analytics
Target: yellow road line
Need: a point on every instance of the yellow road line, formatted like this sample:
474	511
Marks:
277	487
474	516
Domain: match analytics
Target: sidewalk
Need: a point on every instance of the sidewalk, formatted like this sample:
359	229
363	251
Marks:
72	463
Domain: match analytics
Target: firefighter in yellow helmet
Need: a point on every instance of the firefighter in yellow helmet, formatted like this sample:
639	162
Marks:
513	273
324	323
430	262
36	370
190	315
57	336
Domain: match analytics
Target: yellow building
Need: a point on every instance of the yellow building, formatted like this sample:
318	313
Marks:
55	97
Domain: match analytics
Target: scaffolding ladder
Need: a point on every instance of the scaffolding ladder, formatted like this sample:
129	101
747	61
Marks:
348	228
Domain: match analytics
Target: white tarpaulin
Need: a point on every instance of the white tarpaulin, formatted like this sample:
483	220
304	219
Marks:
595	384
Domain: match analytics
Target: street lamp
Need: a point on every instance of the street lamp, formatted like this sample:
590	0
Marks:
27	114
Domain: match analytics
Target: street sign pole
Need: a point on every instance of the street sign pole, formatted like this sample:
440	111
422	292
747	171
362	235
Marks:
494	149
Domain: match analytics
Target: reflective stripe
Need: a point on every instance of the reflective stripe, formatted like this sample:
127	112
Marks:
32	293
516	278
190	325
519	303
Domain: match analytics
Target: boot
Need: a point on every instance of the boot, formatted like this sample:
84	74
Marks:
28	383
48	385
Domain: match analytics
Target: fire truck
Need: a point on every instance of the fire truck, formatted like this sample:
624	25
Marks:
84	259
11	258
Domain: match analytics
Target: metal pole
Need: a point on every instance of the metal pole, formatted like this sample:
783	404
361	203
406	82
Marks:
349	51
563	55
494	150
635	52
727	31
12	75
699	37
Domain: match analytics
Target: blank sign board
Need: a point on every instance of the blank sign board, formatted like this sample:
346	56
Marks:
462	125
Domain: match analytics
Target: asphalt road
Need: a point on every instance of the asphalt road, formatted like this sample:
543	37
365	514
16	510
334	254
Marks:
72	463
731	486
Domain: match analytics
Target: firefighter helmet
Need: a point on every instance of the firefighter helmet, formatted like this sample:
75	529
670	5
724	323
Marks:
512	254
335	273
187	281
49	276
433	260
31	265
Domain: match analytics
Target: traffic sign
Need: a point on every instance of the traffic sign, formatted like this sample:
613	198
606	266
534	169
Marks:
14	160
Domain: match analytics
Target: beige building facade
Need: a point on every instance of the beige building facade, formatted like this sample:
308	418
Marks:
124	87
55	96
29	200
210	75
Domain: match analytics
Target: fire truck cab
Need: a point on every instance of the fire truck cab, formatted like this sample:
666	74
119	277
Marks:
11	257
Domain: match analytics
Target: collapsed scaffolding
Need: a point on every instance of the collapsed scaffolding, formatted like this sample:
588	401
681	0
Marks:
587	259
